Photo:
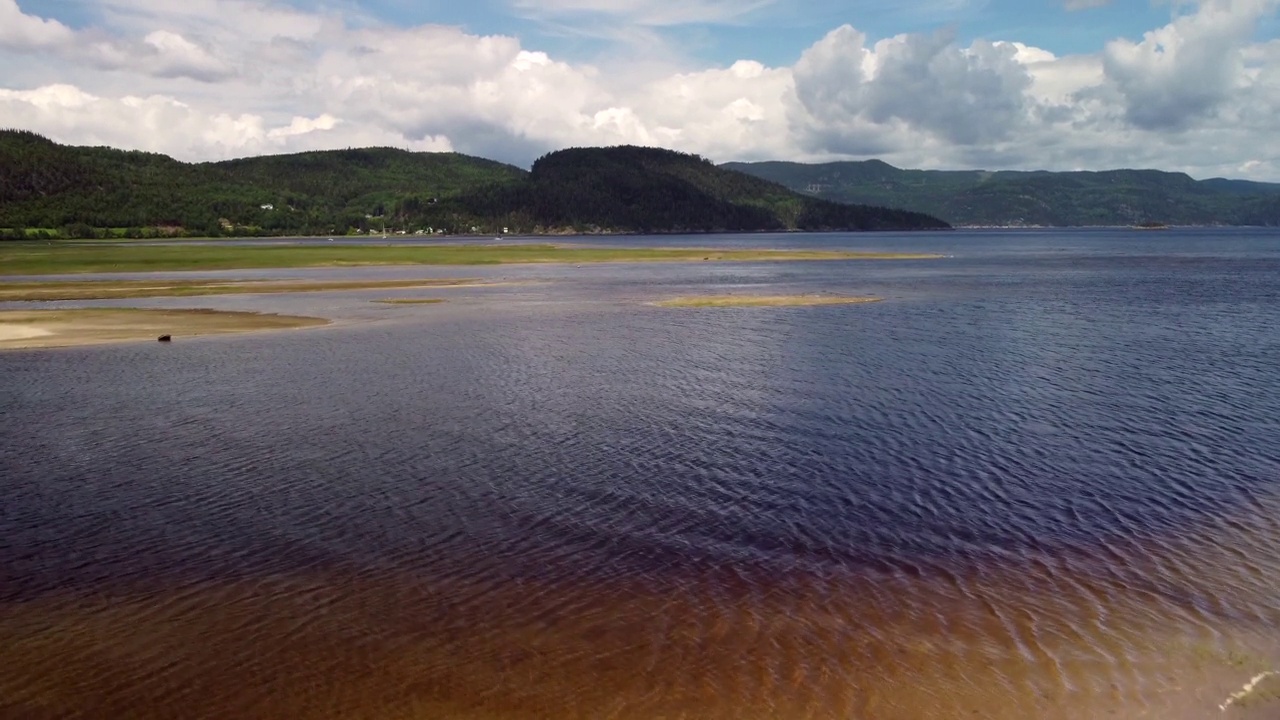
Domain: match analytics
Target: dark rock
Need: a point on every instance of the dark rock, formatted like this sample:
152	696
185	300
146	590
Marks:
164	338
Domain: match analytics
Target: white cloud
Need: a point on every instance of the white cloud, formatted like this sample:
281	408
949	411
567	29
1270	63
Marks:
1185	70
26	32
175	56
219	78
162	124
922	90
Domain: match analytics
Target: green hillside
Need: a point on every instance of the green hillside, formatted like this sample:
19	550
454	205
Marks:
73	189
973	197
88	192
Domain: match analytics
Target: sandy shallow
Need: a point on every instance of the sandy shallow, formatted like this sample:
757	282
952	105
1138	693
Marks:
95	326
762	300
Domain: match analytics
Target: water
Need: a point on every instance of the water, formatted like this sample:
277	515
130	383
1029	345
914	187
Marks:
1039	480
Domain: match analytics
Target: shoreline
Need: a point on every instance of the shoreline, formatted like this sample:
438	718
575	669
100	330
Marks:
473	236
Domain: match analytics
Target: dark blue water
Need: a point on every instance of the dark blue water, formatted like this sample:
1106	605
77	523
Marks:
1048	461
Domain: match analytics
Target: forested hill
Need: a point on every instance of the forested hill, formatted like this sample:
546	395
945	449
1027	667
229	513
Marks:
1011	198
94	191
635	189
46	185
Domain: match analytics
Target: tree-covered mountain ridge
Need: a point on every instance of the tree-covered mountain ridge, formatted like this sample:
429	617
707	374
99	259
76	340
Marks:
98	191
1034	198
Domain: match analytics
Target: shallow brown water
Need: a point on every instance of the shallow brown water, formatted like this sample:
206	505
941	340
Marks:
1036	641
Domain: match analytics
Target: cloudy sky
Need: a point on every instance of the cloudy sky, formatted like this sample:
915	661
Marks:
1191	85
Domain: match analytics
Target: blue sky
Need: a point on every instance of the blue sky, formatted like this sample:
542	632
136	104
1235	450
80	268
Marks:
778	33
774	34
1190	85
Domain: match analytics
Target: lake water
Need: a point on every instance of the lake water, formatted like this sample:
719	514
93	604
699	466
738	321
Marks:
1041	480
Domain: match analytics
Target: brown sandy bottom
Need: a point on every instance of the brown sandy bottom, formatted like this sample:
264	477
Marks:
762	300
355	645
94	326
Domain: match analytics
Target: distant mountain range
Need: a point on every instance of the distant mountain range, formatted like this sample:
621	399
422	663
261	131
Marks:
58	190
65	191
1011	198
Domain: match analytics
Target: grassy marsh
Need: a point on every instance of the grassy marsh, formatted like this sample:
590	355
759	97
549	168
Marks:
124	289
26	258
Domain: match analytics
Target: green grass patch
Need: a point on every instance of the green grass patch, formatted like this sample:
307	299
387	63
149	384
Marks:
20	258
119	289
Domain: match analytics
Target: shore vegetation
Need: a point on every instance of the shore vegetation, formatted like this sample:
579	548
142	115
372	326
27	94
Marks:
27	258
121	289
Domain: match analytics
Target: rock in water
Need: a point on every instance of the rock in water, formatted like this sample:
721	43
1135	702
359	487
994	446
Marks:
164	338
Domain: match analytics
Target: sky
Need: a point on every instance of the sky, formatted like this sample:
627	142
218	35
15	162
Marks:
1180	85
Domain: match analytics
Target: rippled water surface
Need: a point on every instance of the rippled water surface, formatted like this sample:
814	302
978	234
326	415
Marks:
1039	480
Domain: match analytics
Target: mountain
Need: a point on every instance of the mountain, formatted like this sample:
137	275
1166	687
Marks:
648	190
83	191
1013	198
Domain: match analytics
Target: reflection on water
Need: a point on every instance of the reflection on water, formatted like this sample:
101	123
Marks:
1026	486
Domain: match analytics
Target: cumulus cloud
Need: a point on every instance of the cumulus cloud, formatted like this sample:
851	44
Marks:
859	99
220	78
1187	69
163	124
176	56
21	31
162	53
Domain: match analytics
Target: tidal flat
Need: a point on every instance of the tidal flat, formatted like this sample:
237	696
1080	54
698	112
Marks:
50	328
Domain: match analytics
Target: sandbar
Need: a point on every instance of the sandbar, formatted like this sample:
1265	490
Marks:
95	326
762	300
